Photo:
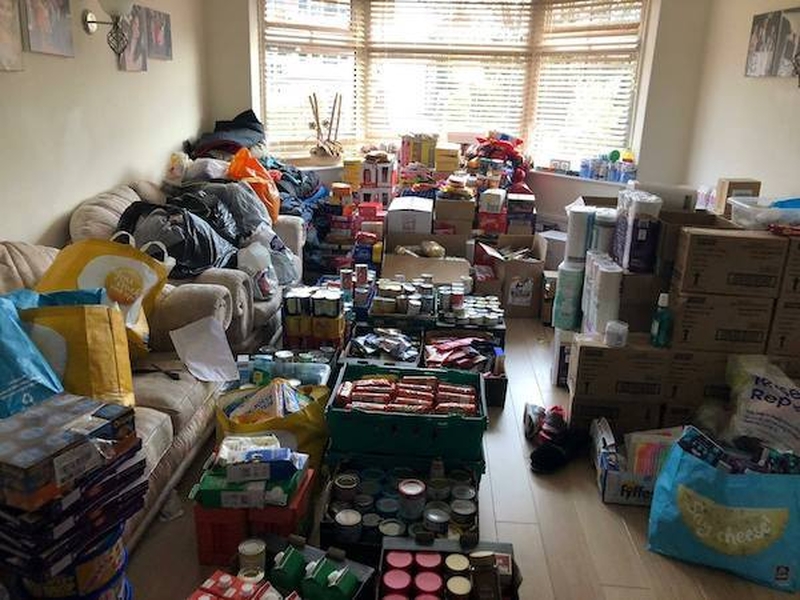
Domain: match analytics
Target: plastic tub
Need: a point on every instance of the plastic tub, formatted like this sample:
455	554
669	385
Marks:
307	373
756	213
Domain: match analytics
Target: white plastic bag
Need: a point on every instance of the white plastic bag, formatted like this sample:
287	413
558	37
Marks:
256	260
283	259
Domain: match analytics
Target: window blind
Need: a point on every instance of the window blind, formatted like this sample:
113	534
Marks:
563	73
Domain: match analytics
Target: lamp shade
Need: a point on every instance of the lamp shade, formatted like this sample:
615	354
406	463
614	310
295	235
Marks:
117	8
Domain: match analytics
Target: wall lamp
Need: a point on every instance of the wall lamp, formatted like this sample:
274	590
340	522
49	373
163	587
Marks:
116	9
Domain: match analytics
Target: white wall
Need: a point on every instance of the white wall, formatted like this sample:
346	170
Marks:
745	126
72	127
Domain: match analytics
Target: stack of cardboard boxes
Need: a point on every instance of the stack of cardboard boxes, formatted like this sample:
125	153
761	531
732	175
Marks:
732	292
372	180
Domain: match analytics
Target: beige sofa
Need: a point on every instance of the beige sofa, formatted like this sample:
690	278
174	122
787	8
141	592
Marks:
173	418
254	322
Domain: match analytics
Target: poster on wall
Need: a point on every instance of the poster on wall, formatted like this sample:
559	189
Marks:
48	27
134	58
10	36
159	35
774	42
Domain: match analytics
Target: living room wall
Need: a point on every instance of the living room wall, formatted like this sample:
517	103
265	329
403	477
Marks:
73	127
745	126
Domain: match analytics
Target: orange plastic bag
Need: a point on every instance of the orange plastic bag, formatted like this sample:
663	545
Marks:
244	167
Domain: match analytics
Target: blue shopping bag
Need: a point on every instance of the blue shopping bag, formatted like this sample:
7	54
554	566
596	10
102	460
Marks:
748	524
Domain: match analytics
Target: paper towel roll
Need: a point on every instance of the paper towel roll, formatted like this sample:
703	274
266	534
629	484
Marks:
606	295
567	303
636	234
605	220
579	230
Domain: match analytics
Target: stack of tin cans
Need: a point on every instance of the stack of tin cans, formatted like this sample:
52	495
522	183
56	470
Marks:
457	309
398	296
313	317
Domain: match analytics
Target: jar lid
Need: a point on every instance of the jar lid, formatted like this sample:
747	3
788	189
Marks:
396	580
457	563
459	586
348	518
438	505
437	515
483	558
252	547
428	560
347	482
362	501
463	492
371	520
428	583
387	505
398	559
410	488
392	528
463	507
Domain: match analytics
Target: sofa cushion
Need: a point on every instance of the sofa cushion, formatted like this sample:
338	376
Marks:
264	310
97	217
180	399
155	430
22	265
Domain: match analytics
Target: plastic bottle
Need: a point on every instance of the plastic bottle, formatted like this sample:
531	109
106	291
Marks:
661	328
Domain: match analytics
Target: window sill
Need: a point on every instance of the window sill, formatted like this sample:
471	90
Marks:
585	180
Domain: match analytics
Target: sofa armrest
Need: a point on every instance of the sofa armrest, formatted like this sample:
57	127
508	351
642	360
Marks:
240	286
292	230
186	304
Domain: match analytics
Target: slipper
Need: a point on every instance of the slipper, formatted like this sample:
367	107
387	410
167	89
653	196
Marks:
553	427
552	455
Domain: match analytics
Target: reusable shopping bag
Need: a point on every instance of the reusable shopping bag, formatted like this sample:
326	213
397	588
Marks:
87	346
245	167
748	524
132	279
304	431
25	375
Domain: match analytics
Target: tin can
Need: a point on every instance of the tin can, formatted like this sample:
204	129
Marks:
398	559
346	279
460	476
392	528
426	289
440	504
463	512
456	564
399	277
348	526
428	561
426	278
415	529
252	554
306	357
339	505
319	303
362	274
387	507
429	582
252	576
414	307
457	298
335	308
459	588
439	489
426	305
304	298
344	487
284	356
412	499
466	282
437	521
401	302
291	302
463	492
363	503
361	296
444	299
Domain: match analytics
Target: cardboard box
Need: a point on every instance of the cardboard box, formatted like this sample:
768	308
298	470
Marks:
521	203
732	262
493	222
732	324
447	156
559	368
487	283
452	227
784	334
791	273
789	365
444	270
626	416
447	210
696	376
636	373
638	299
521	227
410	214
522	277
617	486
454	245
671	224
728	187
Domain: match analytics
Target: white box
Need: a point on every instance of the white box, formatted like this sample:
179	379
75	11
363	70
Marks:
410	214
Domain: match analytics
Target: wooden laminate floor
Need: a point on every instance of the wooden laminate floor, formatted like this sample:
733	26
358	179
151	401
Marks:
569	545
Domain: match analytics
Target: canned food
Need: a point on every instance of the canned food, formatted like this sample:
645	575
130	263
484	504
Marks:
460	476
412	499
399	277
463	512
346	279
414	307
348	526
363	503
397	559
396	581
361	296
415	529
426	289
426	278
440	504
392	528
444	299
338	505
463	492
439	489
456	564
387	507
401	302
306	357
252	554
426	305
284	356
428	582
344	487
437	521
428	561
459	588
362	274
457	298
292	303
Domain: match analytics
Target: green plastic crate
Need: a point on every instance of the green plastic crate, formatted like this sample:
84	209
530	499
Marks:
451	436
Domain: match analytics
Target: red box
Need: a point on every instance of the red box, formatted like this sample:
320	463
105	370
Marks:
493	222
283	521
368	211
219	533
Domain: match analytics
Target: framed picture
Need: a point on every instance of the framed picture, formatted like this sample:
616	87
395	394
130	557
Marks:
48	27
774	41
134	58
10	36
159	35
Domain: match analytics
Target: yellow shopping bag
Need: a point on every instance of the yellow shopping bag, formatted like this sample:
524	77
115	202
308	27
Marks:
132	279
306	430
87	347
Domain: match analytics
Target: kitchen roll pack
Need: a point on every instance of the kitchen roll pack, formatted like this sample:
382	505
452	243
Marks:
601	292
637	230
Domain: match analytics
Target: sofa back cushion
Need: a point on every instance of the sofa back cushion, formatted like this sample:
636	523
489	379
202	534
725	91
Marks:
97	217
23	264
